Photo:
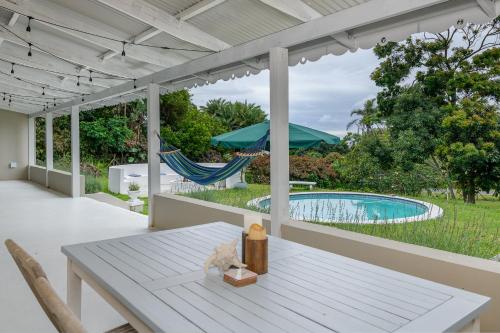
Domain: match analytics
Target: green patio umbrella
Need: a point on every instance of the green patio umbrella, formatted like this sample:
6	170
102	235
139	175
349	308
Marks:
300	137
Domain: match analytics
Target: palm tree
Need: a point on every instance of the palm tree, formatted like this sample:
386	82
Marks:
216	107
234	115
368	117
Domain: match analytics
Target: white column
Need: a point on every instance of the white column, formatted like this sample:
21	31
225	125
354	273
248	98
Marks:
153	146
278	70
75	151
31	144
49	146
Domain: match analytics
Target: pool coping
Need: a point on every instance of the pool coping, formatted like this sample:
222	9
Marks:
433	211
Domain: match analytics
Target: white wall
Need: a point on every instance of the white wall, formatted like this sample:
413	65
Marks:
13	145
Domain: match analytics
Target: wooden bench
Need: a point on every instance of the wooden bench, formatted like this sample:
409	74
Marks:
303	183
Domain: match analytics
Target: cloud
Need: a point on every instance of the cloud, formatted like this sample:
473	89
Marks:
322	93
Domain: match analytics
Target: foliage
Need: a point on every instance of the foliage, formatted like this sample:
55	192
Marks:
426	83
102	137
133	187
94	184
368	117
40	141
378	164
234	115
193	133
471	146
306	168
174	106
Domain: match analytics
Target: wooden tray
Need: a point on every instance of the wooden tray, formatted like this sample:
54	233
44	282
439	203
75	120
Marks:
247	277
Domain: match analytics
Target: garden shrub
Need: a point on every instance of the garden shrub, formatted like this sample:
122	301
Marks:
93	185
306	168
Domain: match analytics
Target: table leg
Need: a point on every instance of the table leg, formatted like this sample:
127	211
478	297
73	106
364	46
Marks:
473	327
74	291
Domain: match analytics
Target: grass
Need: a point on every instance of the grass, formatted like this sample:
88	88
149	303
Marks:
467	229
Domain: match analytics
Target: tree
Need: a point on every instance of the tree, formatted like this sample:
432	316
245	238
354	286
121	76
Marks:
174	106
193	133
368	117
471	146
234	115
103	137
424	80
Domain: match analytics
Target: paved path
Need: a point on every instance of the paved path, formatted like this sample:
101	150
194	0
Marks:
109	199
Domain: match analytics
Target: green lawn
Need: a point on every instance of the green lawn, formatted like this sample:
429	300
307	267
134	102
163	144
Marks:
467	229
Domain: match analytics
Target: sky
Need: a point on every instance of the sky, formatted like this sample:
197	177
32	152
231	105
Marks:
322	93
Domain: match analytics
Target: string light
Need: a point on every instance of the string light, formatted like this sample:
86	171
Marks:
90	76
123	48
29	52
4	96
7	29
135	85
10	99
78	81
83	98
36	84
55	102
28	28
64	73
12	69
43	91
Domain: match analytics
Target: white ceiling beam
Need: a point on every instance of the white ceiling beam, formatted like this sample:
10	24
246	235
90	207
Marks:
294	8
184	15
15	54
346	40
13	19
160	19
19	108
305	13
142	37
35	89
197	9
488	7
9	89
73	52
361	16
12	53
51	12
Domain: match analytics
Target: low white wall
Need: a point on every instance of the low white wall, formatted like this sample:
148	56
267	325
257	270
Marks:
473	274
56	180
120	178
38	174
61	181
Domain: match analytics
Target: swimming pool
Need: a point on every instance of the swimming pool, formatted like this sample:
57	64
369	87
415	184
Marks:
349	207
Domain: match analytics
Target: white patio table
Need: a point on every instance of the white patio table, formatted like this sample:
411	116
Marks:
156	282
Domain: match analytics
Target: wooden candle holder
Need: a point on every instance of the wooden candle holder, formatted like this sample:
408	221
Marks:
243	245
256	255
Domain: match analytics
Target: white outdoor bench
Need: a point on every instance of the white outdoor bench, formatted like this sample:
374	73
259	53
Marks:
300	182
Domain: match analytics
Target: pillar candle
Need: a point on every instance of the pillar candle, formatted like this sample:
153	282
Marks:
248	220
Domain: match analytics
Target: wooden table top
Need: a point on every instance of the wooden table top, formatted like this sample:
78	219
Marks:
159	277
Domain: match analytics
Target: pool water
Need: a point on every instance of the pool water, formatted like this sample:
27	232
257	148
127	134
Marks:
352	208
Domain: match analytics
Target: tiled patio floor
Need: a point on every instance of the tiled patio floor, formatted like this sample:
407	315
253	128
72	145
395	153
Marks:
41	221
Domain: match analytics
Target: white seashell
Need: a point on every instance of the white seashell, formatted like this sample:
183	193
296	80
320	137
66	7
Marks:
224	256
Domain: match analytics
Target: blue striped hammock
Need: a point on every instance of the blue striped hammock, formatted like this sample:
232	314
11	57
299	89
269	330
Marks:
204	175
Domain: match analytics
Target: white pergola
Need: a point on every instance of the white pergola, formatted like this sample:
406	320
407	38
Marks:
177	44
